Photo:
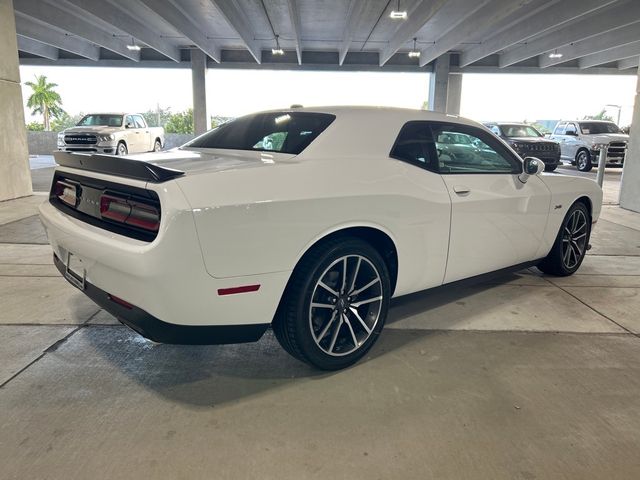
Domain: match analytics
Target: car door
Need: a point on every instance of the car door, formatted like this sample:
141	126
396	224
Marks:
142	133
497	221
132	134
571	142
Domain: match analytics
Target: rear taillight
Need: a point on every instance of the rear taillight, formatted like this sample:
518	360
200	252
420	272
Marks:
66	192
130	212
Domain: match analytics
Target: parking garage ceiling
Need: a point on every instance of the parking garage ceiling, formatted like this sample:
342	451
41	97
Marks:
589	36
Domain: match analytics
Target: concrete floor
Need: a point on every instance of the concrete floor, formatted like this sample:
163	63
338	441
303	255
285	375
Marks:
522	377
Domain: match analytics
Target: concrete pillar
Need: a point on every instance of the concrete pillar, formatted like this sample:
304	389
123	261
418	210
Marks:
439	84
445	88
630	186
454	93
15	176
199	85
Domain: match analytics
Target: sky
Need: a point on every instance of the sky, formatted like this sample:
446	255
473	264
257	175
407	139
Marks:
231	93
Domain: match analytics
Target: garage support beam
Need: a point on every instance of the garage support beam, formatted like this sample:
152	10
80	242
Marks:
445	88
630	186
199	85
15	176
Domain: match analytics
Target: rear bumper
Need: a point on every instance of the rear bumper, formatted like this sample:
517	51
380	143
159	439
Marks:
165	279
162	332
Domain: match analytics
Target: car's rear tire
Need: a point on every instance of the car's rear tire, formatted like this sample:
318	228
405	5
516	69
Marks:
571	244
335	304
121	149
157	146
583	161
550	168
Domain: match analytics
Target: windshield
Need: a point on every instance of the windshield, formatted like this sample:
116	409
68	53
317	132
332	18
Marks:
519	131
595	128
285	132
100	120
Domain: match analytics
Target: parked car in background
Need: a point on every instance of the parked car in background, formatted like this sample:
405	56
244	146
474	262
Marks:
308	220
582	140
111	133
527	141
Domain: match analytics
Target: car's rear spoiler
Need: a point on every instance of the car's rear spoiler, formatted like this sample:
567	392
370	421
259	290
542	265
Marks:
119	166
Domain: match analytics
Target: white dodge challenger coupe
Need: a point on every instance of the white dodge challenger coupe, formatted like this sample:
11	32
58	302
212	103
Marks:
308	220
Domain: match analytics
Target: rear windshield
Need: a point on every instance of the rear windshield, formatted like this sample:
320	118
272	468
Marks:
101	120
285	132
595	128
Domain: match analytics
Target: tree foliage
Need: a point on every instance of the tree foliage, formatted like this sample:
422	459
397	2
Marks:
35	127
44	100
602	115
64	121
181	122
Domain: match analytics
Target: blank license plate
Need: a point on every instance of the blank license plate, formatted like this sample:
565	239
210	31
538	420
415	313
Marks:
74	271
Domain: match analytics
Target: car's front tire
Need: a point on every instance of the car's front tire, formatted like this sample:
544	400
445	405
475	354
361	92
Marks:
122	149
583	161
335	304
571	244
550	168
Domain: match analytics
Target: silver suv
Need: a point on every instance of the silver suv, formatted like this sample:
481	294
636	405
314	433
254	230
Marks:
581	142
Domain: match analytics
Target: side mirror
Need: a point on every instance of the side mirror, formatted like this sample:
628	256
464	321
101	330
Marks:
129	125
532	166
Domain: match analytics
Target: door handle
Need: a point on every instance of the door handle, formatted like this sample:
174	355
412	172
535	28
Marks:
461	189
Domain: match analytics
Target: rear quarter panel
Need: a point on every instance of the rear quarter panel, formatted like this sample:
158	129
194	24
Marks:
260	220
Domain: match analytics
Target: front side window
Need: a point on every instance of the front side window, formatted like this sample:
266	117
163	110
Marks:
559	130
100	120
571	129
284	132
128	122
598	128
496	129
463	149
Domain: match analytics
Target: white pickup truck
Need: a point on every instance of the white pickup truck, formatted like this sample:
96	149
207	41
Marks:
112	133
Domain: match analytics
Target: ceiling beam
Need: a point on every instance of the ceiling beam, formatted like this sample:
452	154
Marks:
611	55
237	19
68	22
618	15
485	13
563	12
627	63
595	44
121	20
418	17
27	27
26	44
353	18
294	15
183	24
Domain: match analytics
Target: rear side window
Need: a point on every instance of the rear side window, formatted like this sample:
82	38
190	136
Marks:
284	132
414	145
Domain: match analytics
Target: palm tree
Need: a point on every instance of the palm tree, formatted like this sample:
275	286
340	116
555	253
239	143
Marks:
44	100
